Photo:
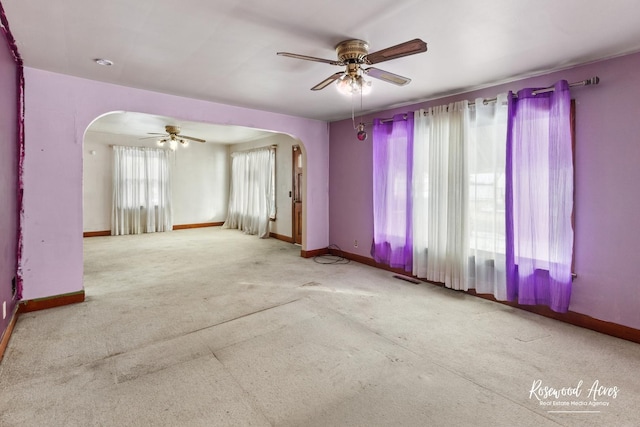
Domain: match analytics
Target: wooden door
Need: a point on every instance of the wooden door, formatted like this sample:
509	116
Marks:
297	195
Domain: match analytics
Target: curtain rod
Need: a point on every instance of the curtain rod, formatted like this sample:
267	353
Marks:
588	82
272	147
130	146
137	146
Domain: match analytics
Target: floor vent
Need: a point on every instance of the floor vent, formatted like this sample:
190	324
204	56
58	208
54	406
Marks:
407	279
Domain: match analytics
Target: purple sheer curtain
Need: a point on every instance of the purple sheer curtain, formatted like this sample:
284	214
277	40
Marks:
392	170
539	198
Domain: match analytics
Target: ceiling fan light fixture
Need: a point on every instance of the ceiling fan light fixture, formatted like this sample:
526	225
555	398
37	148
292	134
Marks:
365	85
172	143
353	85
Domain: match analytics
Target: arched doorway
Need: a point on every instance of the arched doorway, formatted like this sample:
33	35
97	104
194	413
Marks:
50	188
200	171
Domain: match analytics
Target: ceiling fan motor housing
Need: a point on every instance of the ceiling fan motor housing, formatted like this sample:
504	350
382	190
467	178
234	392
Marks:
352	51
172	130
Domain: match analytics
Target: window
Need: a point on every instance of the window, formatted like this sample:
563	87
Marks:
141	191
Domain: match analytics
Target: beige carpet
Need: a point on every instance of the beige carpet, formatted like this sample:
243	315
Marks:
210	327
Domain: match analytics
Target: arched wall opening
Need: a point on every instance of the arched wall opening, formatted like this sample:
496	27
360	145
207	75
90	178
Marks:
60	108
200	172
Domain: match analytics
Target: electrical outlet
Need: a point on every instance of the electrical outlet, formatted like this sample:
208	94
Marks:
4	310
355	243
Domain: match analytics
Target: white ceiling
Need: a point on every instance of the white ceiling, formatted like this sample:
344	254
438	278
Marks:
225	51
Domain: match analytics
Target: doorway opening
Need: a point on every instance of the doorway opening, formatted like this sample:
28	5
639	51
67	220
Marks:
297	185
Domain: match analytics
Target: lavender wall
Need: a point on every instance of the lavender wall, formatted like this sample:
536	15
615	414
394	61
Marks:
8	180
59	109
607	206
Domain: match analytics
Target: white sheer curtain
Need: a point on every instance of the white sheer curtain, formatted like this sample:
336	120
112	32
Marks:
141	200
440	194
252	193
458	196
487	158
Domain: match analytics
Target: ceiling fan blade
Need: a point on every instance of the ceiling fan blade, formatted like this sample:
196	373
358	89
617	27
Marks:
191	138
326	82
152	137
398	51
386	76
155	133
309	58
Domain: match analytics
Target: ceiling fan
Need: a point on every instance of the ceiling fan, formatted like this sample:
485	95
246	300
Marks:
173	136
353	54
